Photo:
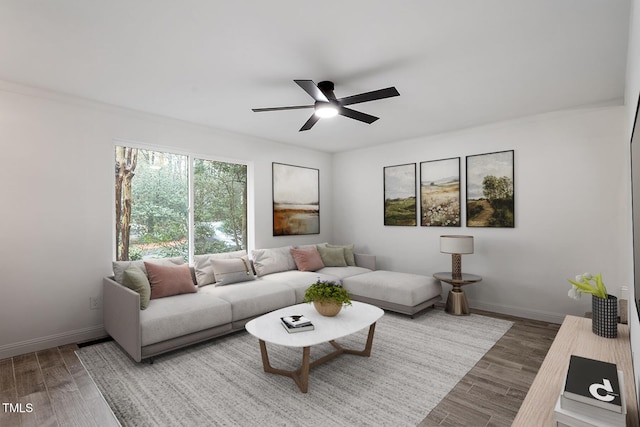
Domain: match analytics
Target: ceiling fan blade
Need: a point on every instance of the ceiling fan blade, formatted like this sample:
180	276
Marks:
312	89
357	115
309	123
294	107
369	96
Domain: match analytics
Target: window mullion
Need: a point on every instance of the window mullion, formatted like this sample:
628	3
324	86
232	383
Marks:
191	225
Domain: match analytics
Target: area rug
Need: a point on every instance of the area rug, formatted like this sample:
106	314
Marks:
413	365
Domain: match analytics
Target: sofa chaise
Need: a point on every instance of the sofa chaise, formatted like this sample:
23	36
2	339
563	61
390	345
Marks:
221	292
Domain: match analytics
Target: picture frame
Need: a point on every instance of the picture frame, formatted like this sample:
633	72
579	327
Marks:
296	200
440	193
400	207
490	190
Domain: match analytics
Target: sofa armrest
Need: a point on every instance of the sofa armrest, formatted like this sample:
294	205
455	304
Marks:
366	261
121	311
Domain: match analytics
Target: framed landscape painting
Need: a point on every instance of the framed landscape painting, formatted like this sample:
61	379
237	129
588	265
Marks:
440	193
400	195
296	200
490	190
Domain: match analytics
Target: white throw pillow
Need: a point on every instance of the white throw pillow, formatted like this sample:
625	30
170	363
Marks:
275	260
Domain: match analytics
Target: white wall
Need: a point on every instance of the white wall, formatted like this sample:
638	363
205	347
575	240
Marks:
571	210
56	195
632	90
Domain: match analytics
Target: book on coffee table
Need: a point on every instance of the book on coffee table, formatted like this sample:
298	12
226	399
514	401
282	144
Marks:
296	323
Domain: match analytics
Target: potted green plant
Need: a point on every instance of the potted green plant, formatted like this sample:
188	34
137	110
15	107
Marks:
327	297
604	305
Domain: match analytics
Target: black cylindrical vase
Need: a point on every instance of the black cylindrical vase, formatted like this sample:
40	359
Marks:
605	316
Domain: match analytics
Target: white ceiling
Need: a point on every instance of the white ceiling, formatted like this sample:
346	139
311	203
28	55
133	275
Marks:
456	63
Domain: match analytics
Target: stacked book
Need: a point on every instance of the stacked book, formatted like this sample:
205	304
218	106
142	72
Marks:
592	395
296	323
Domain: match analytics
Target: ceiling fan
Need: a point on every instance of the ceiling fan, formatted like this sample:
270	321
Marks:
326	104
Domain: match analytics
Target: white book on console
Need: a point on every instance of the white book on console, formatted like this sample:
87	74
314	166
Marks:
601	416
568	418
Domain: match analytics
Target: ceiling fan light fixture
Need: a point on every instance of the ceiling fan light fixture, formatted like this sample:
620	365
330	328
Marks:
326	110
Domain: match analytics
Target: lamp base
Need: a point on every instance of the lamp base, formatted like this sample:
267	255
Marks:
456	266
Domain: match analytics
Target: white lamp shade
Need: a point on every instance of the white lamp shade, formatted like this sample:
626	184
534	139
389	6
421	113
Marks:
456	244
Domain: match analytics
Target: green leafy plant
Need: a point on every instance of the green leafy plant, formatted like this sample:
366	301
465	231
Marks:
588	284
327	291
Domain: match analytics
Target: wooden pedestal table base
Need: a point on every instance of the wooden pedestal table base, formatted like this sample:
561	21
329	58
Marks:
457	301
301	375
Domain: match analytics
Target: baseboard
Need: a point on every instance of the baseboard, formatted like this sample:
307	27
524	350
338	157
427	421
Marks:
42	343
544	316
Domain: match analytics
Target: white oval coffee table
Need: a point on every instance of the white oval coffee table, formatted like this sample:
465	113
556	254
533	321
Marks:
351	319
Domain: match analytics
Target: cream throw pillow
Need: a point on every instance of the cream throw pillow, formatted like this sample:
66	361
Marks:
275	260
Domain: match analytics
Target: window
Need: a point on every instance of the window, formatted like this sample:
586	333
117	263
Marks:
153	205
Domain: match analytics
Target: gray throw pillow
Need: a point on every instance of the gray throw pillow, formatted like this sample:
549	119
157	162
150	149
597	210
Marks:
332	257
229	271
203	267
135	279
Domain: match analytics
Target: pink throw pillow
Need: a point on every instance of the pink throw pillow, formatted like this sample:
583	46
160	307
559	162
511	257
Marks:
169	280
307	259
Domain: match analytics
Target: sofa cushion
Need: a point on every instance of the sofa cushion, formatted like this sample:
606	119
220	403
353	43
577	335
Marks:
307	259
136	280
120	266
250	299
332	257
229	271
203	268
167	318
274	260
349	257
399	288
343	272
168	280
299	281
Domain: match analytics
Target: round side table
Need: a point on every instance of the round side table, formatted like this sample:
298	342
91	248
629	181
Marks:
457	301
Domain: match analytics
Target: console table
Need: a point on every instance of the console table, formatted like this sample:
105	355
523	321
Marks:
575	337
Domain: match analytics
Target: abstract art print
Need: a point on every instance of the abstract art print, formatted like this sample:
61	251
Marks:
440	193
490	190
400	195
296	200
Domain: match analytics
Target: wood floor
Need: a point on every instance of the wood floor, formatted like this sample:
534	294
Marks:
493	390
62	393
50	388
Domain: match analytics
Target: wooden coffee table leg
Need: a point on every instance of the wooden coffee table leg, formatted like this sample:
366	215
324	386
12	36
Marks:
300	376
367	349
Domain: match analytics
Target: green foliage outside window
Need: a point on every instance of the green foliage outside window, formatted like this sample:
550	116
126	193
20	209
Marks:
152	205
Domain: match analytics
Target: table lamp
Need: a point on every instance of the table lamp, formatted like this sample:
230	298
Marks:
456	246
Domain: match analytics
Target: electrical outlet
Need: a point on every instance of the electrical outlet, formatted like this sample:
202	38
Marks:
95	303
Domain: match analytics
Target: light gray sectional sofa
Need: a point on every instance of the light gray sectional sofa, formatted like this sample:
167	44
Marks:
223	295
